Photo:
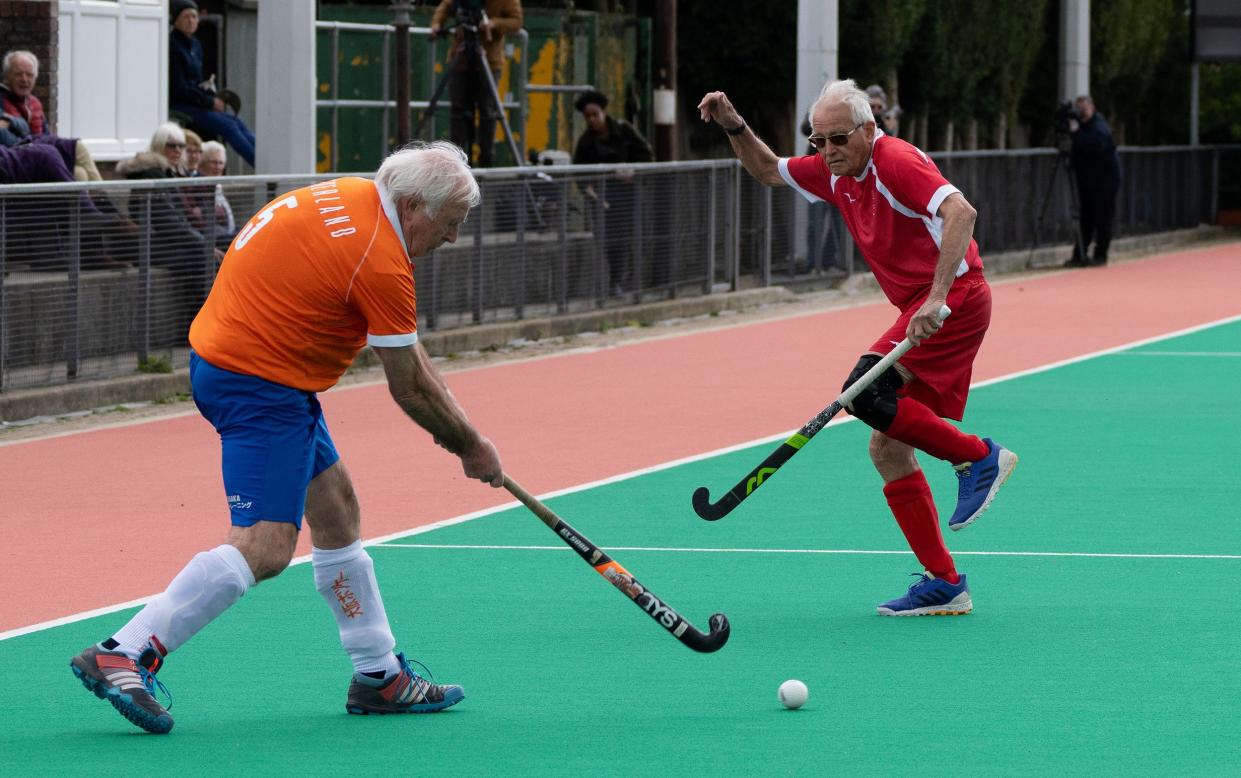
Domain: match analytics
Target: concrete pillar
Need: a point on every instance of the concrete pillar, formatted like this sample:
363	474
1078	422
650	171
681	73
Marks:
817	52
285	89
1074	48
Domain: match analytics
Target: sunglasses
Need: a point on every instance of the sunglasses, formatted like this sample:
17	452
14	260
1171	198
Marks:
171	145
839	139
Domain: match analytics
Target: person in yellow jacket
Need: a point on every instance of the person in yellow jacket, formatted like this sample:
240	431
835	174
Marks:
486	23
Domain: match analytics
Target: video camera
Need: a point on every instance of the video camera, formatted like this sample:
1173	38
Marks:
469	13
1066	112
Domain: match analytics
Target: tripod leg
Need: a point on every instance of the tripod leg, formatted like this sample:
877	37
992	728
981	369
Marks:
1075	210
508	132
449	70
499	106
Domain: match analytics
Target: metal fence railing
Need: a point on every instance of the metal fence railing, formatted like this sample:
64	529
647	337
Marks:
102	280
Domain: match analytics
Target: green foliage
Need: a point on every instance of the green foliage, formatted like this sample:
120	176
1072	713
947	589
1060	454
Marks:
875	36
746	49
1220	91
154	364
1127	39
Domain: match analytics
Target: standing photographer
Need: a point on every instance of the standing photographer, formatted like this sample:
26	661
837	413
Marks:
483	22
1097	167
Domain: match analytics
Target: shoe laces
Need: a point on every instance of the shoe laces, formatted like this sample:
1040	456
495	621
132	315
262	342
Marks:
964	487
424	683
152	683
922	578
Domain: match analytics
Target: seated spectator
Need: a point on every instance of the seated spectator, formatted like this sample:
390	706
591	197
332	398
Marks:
209	197
193	95
20	72
176	245
193	153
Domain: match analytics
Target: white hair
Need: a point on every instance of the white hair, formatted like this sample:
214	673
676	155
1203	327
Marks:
213	147
846	91
433	173
169	131
12	55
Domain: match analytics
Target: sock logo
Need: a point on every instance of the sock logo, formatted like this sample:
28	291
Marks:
348	602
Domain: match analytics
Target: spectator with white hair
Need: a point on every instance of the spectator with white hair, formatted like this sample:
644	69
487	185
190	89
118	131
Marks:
209	198
316	275
24	121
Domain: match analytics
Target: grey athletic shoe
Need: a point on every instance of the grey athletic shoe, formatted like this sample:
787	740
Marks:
408	692
128	685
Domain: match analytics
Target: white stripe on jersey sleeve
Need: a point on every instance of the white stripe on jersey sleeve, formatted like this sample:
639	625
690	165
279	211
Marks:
392	341
939	197
783	165
935	226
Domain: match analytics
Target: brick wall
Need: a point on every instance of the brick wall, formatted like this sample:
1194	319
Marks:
33	25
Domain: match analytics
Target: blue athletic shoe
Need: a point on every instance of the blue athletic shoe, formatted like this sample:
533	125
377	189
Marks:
406	692
930	596
979	481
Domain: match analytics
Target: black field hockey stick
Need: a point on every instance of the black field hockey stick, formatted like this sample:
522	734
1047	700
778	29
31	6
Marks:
622	579
713	511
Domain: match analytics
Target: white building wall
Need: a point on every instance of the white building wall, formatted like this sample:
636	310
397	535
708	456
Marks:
113	73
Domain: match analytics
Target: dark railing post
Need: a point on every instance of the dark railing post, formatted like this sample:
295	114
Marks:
400	20
479	266
144	276
765	269
562	234
73	355
712	234
4	232
735	227
637	228
601	239
521	247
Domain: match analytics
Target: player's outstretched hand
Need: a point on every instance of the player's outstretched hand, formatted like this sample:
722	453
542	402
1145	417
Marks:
482	463
925	321
717	106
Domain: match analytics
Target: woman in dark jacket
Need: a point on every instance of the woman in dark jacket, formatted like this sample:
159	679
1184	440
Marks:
609	141
186	92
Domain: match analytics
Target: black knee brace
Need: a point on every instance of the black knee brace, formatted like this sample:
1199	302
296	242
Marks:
876	404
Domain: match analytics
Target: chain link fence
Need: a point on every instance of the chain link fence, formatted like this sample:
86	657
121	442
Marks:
103	281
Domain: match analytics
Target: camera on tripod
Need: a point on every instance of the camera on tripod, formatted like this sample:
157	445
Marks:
1066	113
470	15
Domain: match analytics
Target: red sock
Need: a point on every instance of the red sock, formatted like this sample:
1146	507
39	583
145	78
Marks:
914	509
918	426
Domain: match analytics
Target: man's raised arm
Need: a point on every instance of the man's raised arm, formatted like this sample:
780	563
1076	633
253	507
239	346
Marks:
756	157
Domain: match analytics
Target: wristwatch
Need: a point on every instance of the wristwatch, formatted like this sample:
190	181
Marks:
738	129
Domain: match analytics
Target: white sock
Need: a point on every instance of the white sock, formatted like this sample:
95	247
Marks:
346	579
205	588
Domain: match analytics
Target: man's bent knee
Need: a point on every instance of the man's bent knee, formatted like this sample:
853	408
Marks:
267	546
332	509
892	458
876	404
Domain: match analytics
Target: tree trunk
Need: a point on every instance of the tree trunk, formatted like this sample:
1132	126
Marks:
948	133
924	131
971	135
1001	131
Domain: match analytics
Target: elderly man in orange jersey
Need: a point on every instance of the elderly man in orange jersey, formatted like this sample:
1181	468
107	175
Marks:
315	276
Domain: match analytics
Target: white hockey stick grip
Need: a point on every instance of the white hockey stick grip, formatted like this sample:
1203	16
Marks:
860	385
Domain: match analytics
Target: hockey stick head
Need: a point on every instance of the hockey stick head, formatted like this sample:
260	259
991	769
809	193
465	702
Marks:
712	641
709	510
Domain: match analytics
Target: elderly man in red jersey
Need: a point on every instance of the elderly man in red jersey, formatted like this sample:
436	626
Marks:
915	231
317	274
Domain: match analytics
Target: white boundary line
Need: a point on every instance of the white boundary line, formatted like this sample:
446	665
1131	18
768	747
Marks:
19	631
1180	353
675	550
